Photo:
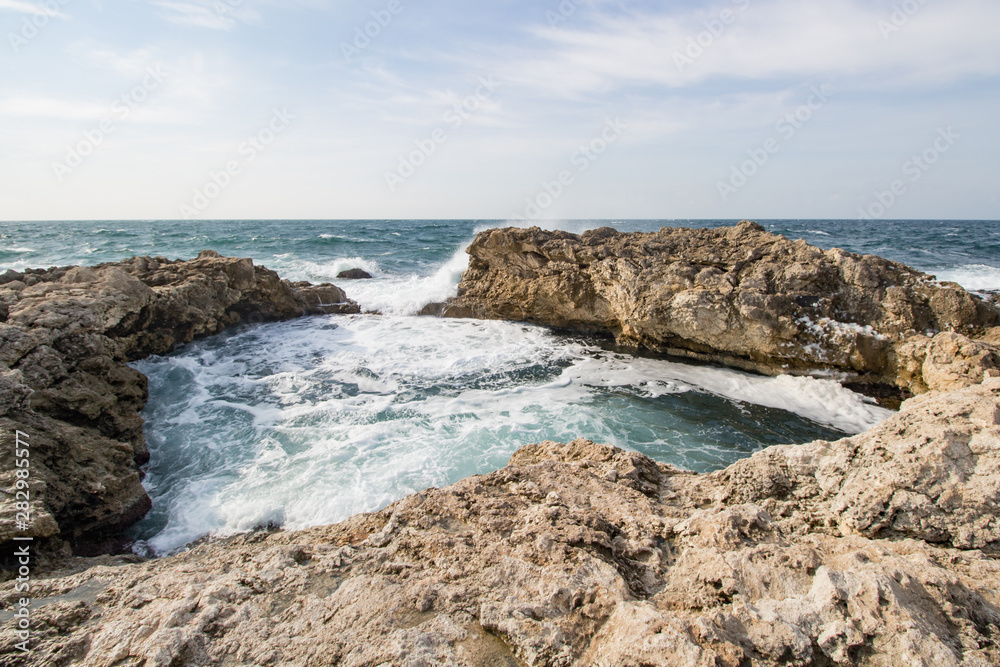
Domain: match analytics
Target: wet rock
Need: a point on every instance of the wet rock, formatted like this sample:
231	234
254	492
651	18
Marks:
354	274
436	309
737	296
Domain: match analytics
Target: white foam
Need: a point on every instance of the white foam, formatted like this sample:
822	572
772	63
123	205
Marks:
391	294
309	422
820	400
973	277
316	272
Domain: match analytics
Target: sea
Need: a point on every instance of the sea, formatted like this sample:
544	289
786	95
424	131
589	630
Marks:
308	422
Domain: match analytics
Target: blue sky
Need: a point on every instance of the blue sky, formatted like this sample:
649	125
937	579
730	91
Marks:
166	109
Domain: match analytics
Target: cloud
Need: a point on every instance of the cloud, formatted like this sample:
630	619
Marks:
132	64
29	8
779	39
215	15
50	107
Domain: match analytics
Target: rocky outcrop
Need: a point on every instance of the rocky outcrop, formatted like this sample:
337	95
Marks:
880	549
733	295
65	335
947	361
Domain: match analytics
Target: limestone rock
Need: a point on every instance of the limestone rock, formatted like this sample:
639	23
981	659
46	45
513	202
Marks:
879	549
948	361
738	296
65	337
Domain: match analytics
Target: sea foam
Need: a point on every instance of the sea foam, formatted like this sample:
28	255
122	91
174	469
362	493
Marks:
311	421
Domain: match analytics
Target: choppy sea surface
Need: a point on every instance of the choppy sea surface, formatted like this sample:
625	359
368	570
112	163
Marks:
308	422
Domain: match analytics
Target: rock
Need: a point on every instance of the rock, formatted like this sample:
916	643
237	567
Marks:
874	550
931	472
354	274
947	361
63	380
737	296
436	309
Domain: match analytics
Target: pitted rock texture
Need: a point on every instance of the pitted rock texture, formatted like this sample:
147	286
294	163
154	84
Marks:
65	336
733	295
881	549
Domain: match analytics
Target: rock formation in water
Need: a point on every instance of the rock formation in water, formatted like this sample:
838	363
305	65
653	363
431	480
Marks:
354	274
65	335
733	295
880	549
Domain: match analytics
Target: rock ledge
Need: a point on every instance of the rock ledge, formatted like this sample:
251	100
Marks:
739	296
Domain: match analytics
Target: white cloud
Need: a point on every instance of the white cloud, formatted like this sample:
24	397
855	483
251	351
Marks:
132	64
29	8
50	107
942	42
212	14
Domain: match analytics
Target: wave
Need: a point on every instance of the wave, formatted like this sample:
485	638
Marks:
819	400
407	295
973	277
308	422
321	272
387	293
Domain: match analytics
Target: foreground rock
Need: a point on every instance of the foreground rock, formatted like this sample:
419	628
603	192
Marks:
738	296
65	335
880	549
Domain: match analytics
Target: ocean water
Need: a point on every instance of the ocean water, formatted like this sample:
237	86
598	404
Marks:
308	422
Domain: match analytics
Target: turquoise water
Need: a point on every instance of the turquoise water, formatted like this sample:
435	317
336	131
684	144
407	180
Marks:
307	422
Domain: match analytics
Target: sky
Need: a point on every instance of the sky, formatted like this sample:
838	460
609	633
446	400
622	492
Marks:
559	109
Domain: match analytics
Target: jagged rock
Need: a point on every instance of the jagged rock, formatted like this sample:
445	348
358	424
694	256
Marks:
879	549
435	309
947	361
354	274
63	380
738	296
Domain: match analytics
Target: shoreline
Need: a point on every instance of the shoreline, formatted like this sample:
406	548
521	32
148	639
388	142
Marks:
657	528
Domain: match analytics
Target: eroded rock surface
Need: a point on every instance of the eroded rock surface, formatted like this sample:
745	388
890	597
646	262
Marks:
65	335
734	295
880	549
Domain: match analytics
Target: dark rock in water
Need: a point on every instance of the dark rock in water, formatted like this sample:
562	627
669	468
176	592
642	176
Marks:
354	274
64	341
739	296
